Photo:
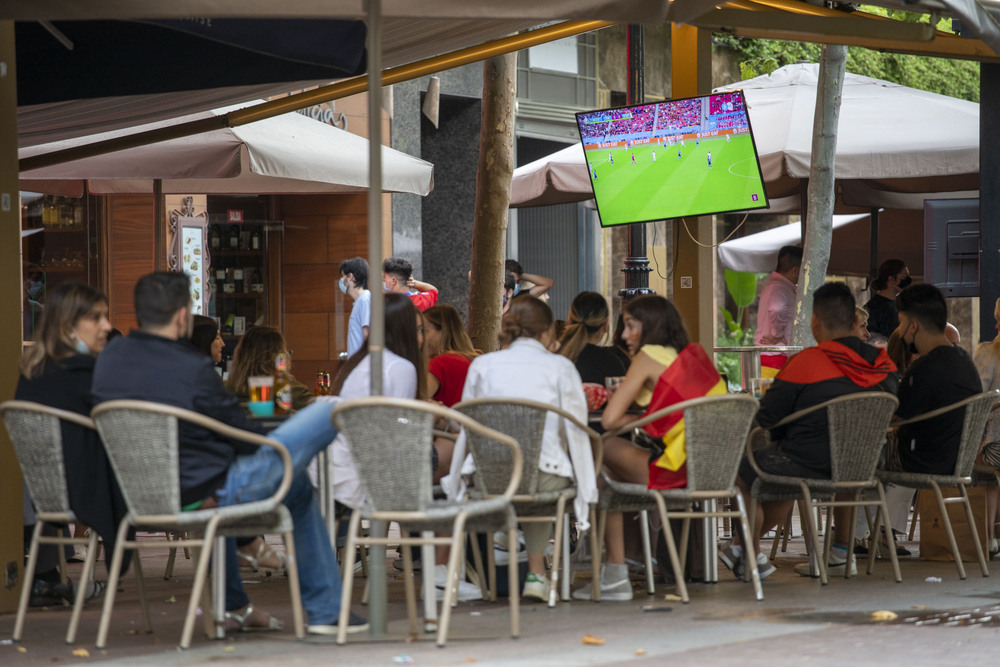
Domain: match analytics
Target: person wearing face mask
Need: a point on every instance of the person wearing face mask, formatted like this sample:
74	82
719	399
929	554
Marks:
942	374
397	278
354	283
58	371
893	278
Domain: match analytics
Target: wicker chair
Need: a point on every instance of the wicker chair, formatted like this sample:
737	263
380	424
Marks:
36	432
141	439
857	425
388	438
977	410
524	421
715	432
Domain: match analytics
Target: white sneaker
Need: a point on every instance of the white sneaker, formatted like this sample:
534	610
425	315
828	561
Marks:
536	588
618	590
466	591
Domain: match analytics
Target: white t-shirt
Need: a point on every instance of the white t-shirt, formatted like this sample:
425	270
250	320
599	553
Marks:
399	380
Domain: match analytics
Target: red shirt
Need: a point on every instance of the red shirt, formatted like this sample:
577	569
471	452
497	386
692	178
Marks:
424	300
450	370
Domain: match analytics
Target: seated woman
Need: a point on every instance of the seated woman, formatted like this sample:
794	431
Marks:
665	369
987	360
252	552
450	352
402	377
586	328
254	355
526	369
58	371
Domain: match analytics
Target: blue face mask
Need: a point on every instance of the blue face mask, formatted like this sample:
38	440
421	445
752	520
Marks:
82	347
517	290
342	283
385	288
35	289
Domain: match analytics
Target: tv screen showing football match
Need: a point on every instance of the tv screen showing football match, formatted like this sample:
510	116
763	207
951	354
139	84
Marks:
672	159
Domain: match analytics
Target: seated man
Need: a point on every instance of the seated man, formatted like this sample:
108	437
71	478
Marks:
839	364
397	277
156	363
942	374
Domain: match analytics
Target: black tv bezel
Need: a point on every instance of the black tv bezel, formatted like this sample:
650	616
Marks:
753	143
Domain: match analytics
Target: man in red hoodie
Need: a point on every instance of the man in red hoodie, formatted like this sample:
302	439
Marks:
839	364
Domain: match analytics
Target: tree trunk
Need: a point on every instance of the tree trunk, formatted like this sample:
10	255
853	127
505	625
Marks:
496	166
821	194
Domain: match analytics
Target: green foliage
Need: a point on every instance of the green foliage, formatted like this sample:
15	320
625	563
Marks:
742	288
955	78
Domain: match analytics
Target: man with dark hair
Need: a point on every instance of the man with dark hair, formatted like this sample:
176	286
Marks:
943	374
893	278
397	277
354	283
839	364
156	363
775	311
514	274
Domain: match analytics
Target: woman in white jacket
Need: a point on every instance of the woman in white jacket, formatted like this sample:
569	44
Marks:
526	369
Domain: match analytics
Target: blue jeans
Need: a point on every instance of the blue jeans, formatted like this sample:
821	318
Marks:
255	477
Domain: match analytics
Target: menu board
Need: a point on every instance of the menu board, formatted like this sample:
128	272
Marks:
193	260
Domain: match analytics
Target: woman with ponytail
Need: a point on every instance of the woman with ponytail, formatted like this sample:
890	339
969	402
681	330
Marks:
586	328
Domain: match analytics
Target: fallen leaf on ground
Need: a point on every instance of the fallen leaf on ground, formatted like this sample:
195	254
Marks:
471	660
230	649
919	606
640	651
591	640
21	649
81	653
883	615
171	600
673	598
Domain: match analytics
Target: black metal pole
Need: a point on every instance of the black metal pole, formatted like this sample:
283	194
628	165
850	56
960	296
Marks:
636	263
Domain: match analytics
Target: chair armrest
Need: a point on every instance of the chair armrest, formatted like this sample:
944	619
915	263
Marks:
948	408
213	425
65	415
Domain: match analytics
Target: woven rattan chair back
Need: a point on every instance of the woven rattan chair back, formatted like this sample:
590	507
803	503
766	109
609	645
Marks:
142	448
977	413
522	420
388	443
36	433
857	425
715	434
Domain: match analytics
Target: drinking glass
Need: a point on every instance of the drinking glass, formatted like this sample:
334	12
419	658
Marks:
261	401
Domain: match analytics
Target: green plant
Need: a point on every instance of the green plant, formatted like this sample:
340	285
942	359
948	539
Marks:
742	287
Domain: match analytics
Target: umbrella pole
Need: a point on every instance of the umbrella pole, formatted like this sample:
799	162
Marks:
376	331
160	230
873	256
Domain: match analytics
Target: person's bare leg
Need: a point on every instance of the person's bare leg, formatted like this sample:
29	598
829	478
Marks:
624	462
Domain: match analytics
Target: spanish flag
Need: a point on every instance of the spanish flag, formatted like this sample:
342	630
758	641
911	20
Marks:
691	375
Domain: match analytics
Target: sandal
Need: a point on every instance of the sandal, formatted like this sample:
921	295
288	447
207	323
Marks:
245	623
265	555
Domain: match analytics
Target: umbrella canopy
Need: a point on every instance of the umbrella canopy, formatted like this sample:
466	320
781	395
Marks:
896	146
900	231
890	139
282	155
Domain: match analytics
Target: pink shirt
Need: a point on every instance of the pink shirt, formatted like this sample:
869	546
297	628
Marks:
775	312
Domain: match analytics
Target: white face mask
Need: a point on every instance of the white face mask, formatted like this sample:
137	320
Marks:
343	284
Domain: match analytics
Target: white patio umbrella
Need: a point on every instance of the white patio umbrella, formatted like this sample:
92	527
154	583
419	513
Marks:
896	146
289	154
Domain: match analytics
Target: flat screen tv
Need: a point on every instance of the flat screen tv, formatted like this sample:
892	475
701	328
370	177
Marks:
673	159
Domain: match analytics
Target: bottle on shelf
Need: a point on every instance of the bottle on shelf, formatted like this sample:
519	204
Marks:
327	391
318	390
257	281
255	240
282	385
227	327
229	286
238	279
215	238
234	237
